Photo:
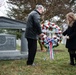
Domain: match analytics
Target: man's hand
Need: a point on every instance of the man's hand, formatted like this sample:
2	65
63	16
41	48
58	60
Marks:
41	35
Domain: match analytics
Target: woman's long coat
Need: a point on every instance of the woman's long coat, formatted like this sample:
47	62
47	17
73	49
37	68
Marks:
71	32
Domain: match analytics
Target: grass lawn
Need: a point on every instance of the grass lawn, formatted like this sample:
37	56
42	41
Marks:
46	66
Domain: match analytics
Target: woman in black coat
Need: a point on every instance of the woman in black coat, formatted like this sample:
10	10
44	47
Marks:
70	34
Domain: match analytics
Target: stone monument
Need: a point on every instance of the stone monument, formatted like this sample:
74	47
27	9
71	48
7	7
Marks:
8	42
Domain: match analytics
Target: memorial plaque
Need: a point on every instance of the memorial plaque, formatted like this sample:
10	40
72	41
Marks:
7	42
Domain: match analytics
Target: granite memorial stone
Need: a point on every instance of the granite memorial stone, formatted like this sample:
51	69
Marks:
8	48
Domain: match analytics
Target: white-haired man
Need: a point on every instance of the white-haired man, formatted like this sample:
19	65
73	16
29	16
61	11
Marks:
33	30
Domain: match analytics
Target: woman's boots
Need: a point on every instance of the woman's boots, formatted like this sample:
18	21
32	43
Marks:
72	59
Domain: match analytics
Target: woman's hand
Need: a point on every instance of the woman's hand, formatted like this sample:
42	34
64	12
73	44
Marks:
67	37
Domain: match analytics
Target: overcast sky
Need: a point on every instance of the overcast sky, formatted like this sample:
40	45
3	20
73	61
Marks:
3	8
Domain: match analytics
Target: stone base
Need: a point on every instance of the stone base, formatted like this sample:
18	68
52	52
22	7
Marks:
13	54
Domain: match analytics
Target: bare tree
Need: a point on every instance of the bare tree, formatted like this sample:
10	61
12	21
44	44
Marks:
20	8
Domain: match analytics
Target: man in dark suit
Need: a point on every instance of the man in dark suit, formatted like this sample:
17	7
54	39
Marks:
33	30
